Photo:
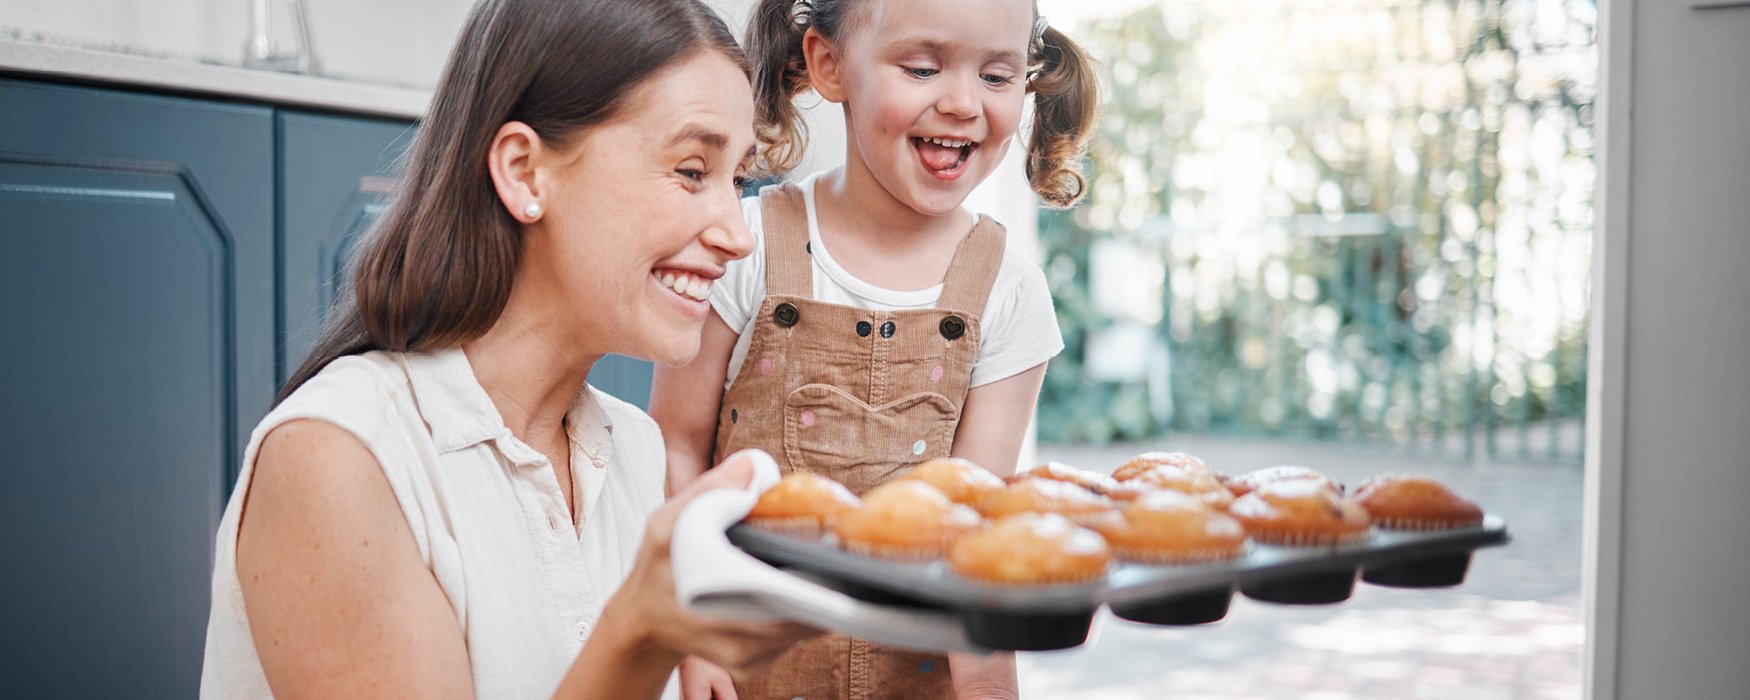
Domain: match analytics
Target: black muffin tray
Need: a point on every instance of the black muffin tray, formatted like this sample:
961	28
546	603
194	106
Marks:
1036	618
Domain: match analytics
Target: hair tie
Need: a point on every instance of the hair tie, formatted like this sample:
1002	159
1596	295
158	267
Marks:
802	13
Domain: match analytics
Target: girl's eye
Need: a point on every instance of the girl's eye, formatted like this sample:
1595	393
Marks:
995	80
921	72
741	182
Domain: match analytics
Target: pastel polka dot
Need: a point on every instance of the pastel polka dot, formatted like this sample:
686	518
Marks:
807	418
765	365
927	666
936	374
917	448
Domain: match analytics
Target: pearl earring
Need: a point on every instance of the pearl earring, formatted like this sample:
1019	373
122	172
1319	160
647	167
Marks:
532	210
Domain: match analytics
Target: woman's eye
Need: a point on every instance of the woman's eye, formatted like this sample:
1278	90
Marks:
690	174
921	72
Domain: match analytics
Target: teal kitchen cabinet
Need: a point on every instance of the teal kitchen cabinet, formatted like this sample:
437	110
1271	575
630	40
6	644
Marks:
137	298
336	175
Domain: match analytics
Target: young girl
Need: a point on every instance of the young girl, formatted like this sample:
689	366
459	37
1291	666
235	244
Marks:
877	322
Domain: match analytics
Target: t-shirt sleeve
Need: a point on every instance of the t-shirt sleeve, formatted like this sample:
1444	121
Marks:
1019	325
737	296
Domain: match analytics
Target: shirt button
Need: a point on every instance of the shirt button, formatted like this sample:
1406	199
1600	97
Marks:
553	522
599	462
581	630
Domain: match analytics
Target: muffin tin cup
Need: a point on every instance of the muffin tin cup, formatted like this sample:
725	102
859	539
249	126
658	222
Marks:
1058	616
1024	631
1194	608
1306	589
1437	571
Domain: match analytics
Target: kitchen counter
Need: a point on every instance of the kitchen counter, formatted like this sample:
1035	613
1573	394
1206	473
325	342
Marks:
33	60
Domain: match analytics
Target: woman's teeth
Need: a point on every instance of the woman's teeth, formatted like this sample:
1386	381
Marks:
686	285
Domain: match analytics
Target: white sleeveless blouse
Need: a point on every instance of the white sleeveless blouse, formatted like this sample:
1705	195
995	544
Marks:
486	512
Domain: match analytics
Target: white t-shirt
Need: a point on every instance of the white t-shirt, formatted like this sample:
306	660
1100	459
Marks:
525	584
1018	328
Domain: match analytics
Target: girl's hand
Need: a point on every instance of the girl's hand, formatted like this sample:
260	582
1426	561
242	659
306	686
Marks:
701	680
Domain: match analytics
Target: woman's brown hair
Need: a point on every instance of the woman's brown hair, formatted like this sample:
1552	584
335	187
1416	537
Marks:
1060	75
436	269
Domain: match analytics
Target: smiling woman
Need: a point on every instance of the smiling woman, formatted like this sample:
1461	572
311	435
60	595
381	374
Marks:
438	505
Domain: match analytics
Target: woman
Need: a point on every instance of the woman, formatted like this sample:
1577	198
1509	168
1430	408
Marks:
439	506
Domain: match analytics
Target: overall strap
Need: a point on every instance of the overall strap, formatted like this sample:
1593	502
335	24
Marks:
973	271
789	268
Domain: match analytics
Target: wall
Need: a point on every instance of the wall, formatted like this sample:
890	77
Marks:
1670	432
352	39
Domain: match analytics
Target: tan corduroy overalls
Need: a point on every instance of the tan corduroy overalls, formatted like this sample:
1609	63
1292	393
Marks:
861	396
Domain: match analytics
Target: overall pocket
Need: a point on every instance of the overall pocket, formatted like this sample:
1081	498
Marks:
835	434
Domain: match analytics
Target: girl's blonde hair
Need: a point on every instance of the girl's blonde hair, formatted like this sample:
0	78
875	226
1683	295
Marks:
1059	74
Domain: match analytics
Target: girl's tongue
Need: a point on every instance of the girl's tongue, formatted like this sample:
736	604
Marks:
938	157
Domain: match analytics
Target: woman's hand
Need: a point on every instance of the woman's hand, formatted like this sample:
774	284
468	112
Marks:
702	680
645	632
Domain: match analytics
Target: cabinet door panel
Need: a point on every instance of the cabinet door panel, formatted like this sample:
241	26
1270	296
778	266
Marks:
136	291
336	174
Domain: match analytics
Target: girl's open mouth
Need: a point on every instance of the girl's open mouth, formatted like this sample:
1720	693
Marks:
944	157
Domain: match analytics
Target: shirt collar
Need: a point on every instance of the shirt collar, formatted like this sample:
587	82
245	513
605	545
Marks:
461	414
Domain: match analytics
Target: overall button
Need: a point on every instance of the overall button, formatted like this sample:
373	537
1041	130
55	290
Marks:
863	328
786	314
887	329
952	327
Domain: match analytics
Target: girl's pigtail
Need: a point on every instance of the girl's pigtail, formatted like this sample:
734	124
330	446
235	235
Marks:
1065	109
774	46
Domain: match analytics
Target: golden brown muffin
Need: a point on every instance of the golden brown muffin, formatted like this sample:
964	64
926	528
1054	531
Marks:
1092	481
1039	495
1149	460
1300	512
1249	481
906	520
1031	549
960	480
1403	502
1169	527
801	503
1202	485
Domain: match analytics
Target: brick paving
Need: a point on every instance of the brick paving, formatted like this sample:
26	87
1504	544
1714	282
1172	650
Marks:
1514	630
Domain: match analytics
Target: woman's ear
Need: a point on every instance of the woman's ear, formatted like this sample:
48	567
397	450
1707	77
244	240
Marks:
511	161
824	74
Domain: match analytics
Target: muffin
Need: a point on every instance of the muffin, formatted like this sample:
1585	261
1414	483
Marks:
801	503
1040	495
1250	481
1300	512
1169	527
904	519
1149	460
960	480
1092	481
1031	549
1403	502
1199	484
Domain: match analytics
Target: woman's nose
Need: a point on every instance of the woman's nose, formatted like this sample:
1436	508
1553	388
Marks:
727	232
